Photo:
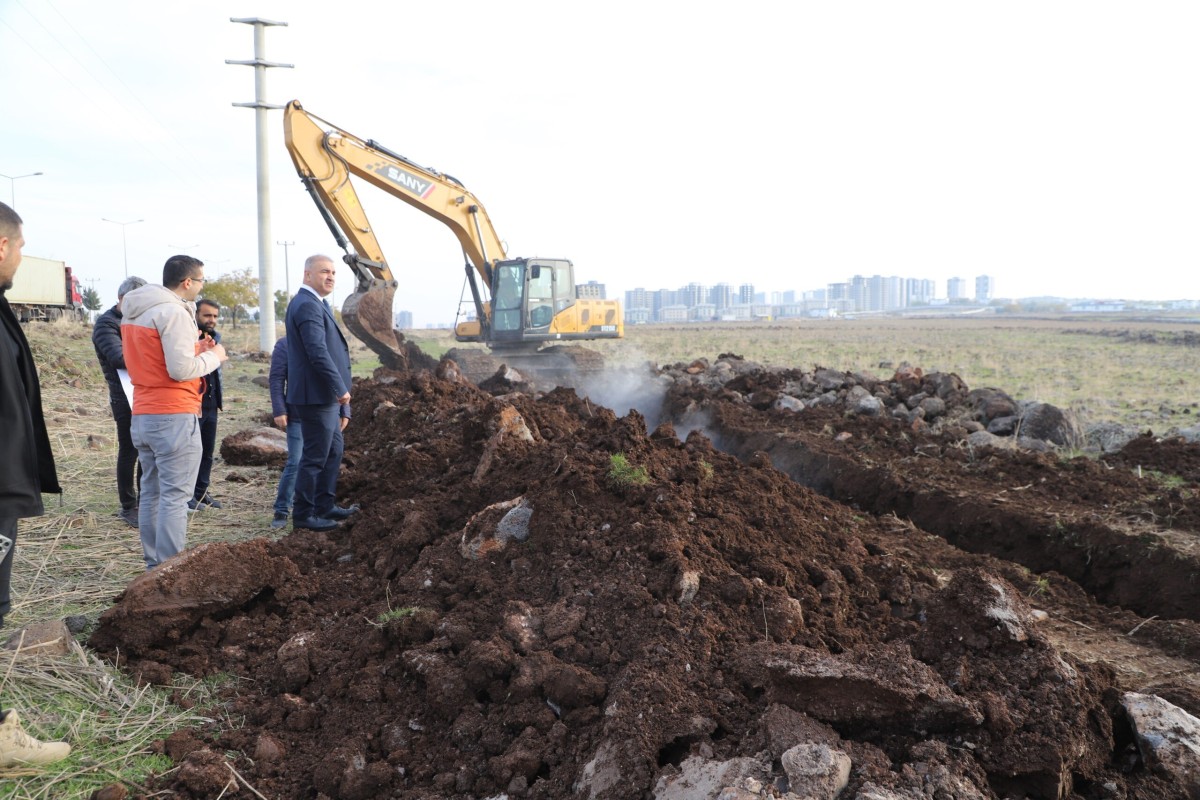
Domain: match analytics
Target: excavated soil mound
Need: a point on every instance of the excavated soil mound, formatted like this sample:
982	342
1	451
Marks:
515	613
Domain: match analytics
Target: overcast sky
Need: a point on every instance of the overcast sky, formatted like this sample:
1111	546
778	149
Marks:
1052	145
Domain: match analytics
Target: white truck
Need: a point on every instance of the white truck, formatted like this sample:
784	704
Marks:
45	289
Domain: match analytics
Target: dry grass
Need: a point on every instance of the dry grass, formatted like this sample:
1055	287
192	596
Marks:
78	557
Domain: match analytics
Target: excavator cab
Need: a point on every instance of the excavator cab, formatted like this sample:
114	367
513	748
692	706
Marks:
526	295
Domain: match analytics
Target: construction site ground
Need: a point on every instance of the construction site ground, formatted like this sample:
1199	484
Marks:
514	613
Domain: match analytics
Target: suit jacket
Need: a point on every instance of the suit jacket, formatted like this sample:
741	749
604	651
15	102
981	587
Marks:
277	377
277	381
25	446
318	358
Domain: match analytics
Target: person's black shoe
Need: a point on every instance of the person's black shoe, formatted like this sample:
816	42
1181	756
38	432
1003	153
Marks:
337	512
314	524
280	519
129	516
208	501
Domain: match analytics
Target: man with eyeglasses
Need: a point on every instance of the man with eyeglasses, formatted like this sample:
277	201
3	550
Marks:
167	360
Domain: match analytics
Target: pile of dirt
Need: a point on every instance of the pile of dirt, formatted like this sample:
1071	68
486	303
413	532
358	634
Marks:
542	599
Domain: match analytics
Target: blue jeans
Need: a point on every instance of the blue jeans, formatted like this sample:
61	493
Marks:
169	451
287	480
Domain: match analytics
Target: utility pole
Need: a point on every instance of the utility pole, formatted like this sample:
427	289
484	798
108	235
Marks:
266	289
287	275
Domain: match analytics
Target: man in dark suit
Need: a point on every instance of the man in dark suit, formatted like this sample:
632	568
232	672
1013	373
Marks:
318	385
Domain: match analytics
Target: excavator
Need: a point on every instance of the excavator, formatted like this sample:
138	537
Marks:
526	310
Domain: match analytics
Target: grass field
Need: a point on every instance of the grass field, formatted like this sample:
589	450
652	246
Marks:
1134	372
79	556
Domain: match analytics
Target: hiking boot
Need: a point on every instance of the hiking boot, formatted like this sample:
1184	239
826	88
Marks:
129	515
280	519
18	748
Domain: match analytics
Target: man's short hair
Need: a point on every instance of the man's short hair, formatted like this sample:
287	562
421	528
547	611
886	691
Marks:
178	269
205	301
129	284
9	221
312	261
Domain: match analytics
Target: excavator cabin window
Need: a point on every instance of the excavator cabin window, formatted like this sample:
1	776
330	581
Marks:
541	295
507	297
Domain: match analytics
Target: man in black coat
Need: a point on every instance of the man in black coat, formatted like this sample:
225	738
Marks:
28	470
106	338
208	312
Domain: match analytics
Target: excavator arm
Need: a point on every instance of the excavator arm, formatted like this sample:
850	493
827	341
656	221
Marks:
325	158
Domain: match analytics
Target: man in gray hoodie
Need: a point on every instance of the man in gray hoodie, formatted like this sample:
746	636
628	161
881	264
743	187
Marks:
167	362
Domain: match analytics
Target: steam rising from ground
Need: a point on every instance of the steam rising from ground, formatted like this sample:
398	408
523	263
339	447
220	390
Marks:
627	388
642	388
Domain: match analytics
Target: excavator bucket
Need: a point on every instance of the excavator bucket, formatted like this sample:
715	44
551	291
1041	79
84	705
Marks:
368	315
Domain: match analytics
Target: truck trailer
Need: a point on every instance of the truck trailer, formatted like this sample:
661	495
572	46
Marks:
45	289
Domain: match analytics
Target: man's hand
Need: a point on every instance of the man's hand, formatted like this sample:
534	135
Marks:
209	346
344	422
344	399
281	421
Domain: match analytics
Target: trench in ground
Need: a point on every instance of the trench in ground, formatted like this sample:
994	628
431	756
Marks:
1135	571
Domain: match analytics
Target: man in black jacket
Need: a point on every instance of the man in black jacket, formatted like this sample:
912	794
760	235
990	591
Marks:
208	313
28	470
106	338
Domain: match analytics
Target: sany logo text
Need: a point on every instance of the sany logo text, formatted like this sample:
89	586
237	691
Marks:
421	188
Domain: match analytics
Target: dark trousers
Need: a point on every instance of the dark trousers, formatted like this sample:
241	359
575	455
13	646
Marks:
8	529
320	459
208	442
127	457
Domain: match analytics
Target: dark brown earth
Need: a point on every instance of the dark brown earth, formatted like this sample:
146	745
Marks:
505	618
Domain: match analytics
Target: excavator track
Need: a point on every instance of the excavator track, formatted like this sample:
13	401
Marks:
558	365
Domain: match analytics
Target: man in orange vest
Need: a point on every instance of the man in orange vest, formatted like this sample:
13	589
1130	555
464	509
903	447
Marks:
167	362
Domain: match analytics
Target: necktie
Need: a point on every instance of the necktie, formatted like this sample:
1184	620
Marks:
326	302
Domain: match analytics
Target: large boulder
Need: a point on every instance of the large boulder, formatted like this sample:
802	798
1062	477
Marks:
1050	424
256	447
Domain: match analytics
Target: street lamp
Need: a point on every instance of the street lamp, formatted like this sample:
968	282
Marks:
124	245
12	185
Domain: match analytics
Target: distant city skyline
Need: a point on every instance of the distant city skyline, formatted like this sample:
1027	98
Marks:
724	300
